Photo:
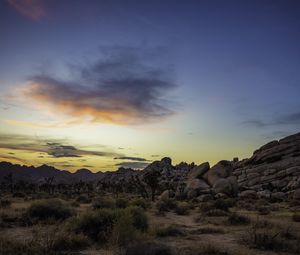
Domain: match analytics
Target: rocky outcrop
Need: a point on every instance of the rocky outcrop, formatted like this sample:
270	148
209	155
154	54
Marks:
273	170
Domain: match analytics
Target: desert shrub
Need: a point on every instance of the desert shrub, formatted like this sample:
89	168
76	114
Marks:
4	203
296	217
215	213
82	199
140	219
237	219
166	205
123	232
49	209
273	238
182	208
100	224
223	204
264	210
204	249
75	204
121	203
104	202
168	231
208	230
97	224
19	194
13	247
70	242
148	248
140	202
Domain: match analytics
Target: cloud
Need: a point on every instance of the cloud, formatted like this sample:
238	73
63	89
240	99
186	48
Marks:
56	148
134	165
132	158
123	87
33	9
287	119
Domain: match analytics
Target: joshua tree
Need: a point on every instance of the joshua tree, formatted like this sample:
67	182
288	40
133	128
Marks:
151	178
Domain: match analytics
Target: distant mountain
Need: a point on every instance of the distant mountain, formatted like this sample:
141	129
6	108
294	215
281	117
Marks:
38	174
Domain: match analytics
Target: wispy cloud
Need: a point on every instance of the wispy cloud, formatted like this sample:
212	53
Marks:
134	165
287	119
123	87
33	9
54	148
132	158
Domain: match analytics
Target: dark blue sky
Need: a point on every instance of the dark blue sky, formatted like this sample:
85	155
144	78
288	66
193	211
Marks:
223	70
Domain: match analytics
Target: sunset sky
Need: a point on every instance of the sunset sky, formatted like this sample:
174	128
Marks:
102	84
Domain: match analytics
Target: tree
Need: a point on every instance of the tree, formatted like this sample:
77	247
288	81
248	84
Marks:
151	178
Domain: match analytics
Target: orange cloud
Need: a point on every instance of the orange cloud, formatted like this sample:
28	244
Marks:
33	9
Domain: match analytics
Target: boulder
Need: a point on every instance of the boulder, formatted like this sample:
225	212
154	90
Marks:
264	194
248	194
297	194
278	195
196	184
222	186
222	169
205	198
198	171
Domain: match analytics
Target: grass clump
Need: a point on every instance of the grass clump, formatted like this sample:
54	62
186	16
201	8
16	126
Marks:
140	202
148	248
82	199
104	202
5	203
296	217
121	203
182	208
237	219
168	231
49	209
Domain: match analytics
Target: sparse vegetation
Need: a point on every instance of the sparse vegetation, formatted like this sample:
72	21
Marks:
237	219
48	209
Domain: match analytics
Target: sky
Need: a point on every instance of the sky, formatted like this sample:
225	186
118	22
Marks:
103	84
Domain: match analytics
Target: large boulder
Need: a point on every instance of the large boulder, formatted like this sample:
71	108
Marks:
227	186
297	194
197	184
198	171
223	169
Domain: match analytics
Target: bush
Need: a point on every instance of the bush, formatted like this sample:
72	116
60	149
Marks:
100	203
4	203
83	200
140	202
70	242
121	203
49	209
123	232
13	247
166	205
296	217
19	194
205	249
223	204
182	208
100	224
237	219
148	248
272	238
140	219
168	231
97	225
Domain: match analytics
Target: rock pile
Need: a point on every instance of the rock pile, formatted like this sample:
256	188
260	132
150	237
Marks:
272	171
